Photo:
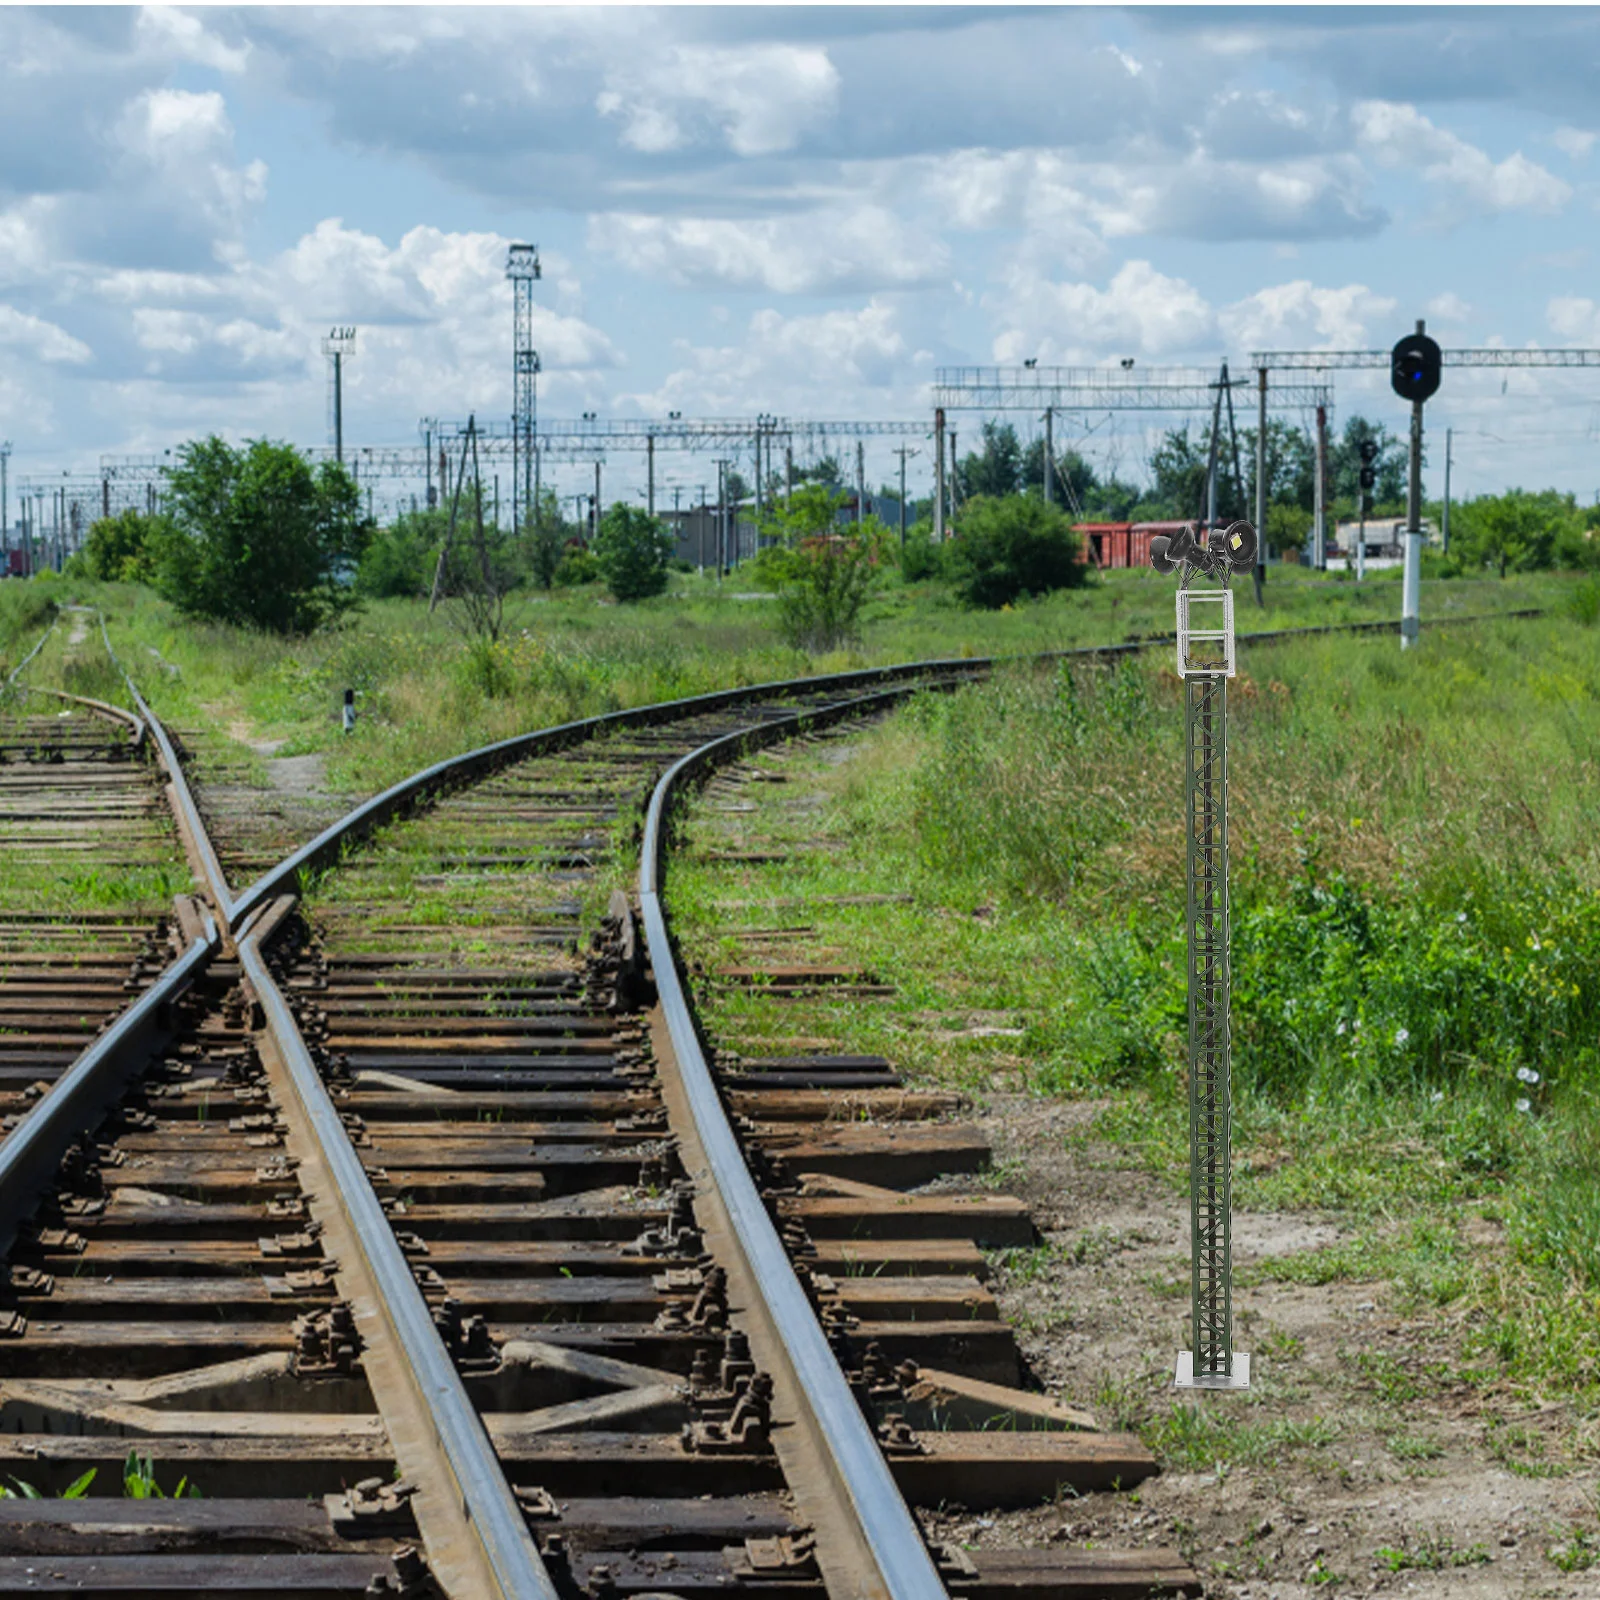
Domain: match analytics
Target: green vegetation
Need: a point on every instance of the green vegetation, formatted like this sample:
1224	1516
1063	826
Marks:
632	550
1416	955
1013	548
822	570
255	537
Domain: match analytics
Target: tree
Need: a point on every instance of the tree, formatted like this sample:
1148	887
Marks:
1291	465
545	539
821	571
997	468
1178	472
1519	531
1011	547
125	548
259	538
633	550
398	561
1072	483
1288	527
1391	465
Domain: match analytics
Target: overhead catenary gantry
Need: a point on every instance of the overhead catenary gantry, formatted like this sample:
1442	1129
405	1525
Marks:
1048	390
1324	361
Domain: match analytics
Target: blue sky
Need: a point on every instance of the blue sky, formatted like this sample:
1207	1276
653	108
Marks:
795	211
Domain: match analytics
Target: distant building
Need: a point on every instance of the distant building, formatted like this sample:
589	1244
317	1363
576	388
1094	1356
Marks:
1384	538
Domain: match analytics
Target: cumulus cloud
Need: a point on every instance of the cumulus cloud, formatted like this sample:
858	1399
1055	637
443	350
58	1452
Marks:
1140	310
1398	135
858	249
186	141
1574	143
43	340
1301	315
759	98
180	33
789	359
1575	318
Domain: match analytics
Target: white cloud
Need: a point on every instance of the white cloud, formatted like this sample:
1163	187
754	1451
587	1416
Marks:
1574	143
185	141
789	362
38	338
1574	317
1299	315
761	98
1449	307
171	32
1398	135
1140	311
860	248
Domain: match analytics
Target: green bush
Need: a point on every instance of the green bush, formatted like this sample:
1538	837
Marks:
920	558
124	548
399	560
821	569
257	537
576	567
632	550
1007	548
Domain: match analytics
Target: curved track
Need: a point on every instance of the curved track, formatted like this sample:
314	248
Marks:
431	1219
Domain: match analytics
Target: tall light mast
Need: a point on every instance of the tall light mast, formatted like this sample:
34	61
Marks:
522	268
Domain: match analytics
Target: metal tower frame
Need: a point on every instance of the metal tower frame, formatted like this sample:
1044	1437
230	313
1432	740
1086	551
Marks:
522	268
1206	662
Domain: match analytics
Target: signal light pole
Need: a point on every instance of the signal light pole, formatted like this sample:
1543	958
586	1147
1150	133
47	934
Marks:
1205	663
1414	376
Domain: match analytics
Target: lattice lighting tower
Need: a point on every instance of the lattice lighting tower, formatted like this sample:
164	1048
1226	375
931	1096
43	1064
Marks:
338	347
1205	663
522	268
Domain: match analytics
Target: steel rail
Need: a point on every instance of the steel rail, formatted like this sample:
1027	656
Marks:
480	1487
11	677
81	1096
100	707
477	763
889	1556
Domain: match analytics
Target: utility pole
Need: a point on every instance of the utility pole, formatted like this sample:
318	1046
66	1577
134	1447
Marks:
5	506
1411	578
861	482
903	451
1445	520
596	518
339	344
1049	454
938	476
788	473
650	474
1261	485
1319	525
722	515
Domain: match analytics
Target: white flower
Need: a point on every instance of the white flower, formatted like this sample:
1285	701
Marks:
1355	1027
1461	916
1401	1035
1527	1075
1339	1028
1524	1105
1438	1097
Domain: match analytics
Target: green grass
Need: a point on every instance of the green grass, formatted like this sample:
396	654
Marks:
1416	903
424	691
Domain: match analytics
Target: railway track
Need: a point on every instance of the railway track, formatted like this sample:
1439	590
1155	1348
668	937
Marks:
437	1256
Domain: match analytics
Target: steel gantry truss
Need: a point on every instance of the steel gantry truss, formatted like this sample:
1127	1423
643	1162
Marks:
522	268
1048	390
